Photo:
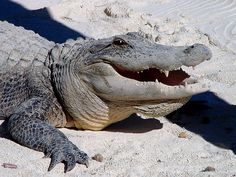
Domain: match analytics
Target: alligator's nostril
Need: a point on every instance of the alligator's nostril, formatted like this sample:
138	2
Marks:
188	50
209	58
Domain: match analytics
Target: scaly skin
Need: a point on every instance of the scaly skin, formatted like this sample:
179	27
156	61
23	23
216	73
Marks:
87	84
33	114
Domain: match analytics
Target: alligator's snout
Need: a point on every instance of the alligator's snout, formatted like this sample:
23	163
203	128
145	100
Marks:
196	54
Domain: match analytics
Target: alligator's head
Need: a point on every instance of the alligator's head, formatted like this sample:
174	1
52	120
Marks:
104	81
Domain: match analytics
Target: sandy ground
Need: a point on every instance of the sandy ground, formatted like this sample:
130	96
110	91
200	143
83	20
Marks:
152	147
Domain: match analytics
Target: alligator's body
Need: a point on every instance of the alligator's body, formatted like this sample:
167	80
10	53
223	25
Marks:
88	84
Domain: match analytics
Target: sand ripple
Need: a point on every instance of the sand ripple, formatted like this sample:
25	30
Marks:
217	18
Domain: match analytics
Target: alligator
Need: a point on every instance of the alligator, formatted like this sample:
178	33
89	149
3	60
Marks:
87	84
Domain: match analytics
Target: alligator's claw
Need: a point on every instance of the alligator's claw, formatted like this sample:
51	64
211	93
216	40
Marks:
70	155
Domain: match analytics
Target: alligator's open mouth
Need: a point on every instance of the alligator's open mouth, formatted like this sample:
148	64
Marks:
171	78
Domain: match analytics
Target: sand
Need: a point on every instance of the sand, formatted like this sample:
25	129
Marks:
149	147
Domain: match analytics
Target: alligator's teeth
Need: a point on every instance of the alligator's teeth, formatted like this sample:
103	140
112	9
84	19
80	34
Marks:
179	68
156	81
141	71
166	73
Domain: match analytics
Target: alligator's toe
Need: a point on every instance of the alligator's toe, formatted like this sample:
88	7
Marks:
82	158
55	159
69	162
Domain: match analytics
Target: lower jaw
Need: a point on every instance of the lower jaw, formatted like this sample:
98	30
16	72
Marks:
160	109
147	110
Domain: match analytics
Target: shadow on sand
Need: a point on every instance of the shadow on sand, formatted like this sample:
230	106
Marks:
205	114
210	117
135	124
39	21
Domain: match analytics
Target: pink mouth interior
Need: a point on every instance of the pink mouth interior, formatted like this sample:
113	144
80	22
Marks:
175	77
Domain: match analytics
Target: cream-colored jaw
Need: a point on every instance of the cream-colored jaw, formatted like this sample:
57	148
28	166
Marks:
112	86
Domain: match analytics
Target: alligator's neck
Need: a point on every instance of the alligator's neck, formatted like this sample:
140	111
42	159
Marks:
86	109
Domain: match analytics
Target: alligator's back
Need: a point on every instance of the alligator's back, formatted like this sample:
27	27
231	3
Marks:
19	47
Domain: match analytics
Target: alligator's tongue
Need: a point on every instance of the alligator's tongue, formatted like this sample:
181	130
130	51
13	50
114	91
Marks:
151	75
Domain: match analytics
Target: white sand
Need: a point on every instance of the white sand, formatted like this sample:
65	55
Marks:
138	147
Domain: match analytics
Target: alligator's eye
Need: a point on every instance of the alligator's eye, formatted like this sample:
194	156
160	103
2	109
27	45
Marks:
119	42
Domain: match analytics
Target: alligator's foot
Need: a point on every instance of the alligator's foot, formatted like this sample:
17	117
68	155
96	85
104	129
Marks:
67	153
27	127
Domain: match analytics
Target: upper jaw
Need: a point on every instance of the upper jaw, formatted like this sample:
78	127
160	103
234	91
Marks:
165	58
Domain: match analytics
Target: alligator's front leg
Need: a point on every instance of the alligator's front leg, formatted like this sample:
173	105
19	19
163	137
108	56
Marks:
29	127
